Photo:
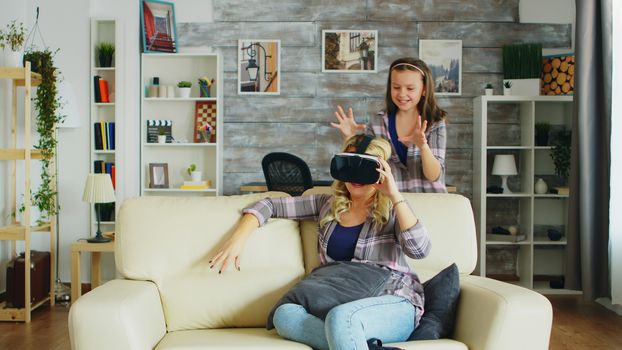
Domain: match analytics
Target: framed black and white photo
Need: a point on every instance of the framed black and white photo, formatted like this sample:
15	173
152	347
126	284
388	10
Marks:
158	175
259	67
349	51
159	33
444	58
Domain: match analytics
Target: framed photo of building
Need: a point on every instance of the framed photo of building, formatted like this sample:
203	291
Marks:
259	67
349	51
159	32
444	57
158	175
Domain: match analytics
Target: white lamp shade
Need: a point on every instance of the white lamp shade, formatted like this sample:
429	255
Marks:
98	189
504	165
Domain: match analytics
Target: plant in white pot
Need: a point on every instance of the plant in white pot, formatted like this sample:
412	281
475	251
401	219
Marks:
488	89
522	66
195	175
507	87
14	37
183	89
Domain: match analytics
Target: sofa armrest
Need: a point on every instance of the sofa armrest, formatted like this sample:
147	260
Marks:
498	315
120	314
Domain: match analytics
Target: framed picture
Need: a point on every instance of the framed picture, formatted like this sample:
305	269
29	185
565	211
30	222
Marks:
159	33
259	67
158	175
349	51
557	76
205	122
444	57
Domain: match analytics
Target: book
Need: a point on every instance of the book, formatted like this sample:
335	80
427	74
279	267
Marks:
97	137
504	238
103	90
97	96
189	187
561	190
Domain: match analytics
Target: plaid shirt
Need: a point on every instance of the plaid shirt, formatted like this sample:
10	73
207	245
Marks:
384	246
409	177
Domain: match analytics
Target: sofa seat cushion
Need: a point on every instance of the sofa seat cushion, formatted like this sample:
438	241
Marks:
228	339
439	344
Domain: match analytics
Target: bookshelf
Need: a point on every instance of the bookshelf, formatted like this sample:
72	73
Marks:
104	113
535	261
164	111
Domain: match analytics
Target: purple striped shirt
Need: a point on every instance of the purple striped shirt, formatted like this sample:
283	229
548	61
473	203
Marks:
409	177
385	246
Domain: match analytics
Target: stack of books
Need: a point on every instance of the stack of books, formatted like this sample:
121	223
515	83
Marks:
196	185
493	237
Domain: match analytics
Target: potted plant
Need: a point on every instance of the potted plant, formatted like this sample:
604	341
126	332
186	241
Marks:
522	65
105	52
183	89
560	153
161	136
542	133
14	38
488	89
507	87
194	173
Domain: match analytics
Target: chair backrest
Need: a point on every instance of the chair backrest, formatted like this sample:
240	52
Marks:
286	173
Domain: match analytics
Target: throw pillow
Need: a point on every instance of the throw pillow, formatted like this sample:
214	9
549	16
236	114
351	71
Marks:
441	298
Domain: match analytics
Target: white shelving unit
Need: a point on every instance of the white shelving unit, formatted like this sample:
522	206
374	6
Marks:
183	150
535	260
104	30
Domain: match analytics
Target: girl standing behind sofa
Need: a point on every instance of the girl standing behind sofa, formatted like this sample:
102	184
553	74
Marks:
412	122
370	224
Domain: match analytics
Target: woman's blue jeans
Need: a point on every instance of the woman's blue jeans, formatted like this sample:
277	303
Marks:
348	326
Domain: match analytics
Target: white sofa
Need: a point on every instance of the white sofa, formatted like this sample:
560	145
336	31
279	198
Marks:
169	298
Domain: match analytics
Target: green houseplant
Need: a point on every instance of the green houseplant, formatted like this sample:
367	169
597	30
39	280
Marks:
522	65
105	52
47	103
13	38
183	89
560	153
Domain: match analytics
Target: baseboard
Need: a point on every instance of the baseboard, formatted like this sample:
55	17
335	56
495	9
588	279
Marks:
606	302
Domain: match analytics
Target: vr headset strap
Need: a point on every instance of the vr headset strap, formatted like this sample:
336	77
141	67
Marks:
362	146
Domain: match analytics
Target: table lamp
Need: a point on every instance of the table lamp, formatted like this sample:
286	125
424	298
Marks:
98	189
504	166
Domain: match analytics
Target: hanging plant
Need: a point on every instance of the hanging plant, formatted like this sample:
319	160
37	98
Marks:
46	102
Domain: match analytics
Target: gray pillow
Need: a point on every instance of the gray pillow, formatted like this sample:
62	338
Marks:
441	298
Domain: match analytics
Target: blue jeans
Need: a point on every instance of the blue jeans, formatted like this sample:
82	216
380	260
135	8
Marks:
348	326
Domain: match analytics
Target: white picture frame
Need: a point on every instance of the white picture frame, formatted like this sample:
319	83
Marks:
343	51
266	54
444	58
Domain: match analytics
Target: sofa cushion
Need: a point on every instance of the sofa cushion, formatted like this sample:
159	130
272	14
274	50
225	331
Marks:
441	298
222	339
170	240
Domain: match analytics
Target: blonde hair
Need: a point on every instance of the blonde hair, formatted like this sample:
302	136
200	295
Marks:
381	205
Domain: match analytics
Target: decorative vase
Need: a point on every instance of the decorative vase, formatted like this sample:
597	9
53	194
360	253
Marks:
553	234
196	175
204	91
541	187
161	138
183	92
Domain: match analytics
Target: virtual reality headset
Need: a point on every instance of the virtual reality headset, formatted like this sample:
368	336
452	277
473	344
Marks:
355	168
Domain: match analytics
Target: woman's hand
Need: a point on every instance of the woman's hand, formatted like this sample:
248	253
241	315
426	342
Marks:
346	123
233	247
417	136
387	183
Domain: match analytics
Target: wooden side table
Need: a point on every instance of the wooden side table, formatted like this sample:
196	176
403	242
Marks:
95	249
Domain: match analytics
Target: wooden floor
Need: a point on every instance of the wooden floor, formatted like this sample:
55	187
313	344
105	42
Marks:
576	325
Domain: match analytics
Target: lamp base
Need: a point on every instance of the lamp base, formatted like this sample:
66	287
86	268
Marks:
504	184
99	239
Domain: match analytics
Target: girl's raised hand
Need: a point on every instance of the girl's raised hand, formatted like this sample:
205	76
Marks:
387	183
417	136
346	123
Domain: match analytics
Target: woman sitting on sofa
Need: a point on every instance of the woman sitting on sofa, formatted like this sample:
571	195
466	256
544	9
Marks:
370	224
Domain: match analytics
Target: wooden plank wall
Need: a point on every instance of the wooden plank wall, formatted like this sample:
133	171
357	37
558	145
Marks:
297	121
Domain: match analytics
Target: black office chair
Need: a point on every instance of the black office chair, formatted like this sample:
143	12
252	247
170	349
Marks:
287	173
